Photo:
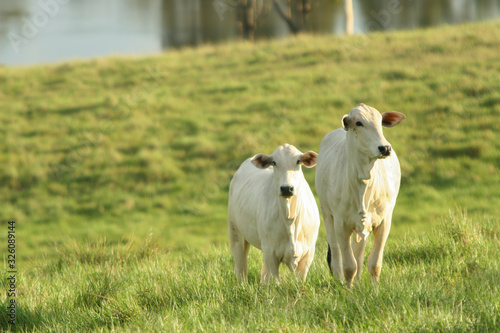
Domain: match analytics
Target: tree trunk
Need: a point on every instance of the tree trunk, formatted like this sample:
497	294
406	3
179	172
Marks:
287	16
349	19
304	9
247	13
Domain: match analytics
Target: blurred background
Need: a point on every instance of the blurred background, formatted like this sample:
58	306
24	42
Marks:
80	29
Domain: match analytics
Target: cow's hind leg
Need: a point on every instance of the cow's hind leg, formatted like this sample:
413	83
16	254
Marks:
239	247
333	256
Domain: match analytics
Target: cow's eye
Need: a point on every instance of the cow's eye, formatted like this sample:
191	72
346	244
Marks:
273	163
358	123
298	162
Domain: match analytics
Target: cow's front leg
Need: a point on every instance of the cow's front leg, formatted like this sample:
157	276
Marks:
343	236
305	263
358	248
270	270
380	235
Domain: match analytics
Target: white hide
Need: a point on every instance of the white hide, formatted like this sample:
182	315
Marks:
285	229
357	186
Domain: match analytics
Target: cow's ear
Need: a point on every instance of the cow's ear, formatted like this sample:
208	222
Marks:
345	122
262	161
309	159
392	118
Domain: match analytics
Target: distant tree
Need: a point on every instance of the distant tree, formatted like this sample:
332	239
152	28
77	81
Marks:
249	13
349	18
294	12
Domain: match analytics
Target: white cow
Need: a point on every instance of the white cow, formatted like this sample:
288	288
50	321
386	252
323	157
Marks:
272	208
357	181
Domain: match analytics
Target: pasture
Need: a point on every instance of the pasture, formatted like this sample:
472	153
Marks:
116	171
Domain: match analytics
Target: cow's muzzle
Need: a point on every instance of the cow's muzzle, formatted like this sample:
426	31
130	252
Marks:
287	191
384	150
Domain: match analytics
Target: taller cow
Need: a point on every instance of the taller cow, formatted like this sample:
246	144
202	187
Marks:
272	208
357	180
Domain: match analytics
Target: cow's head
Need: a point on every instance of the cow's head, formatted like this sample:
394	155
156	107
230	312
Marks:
286	162
364	127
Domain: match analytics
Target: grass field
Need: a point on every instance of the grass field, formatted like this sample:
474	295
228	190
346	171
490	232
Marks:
117	170
444	281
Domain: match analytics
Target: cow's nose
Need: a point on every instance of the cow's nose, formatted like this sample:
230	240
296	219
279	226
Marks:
287	191
385	150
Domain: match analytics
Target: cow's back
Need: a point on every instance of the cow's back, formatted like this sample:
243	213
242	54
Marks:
250	200
331	167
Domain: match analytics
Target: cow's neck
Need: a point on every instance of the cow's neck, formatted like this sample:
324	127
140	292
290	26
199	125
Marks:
359	179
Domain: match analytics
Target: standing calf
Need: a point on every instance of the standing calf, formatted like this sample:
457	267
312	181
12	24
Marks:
272	208
357	181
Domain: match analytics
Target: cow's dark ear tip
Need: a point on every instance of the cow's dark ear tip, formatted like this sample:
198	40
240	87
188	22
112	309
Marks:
392	118
309	159
261	161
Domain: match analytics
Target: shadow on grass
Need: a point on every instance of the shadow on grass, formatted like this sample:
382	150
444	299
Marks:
25	320
78	109
412	254
34	320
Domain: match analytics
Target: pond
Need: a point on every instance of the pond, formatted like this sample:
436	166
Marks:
46	31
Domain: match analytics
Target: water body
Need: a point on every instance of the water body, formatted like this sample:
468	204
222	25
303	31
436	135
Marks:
47	31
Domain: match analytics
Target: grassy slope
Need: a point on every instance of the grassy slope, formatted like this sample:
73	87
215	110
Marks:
121	148
114	149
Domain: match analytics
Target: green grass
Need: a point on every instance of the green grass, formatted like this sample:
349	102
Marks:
97	155
446	280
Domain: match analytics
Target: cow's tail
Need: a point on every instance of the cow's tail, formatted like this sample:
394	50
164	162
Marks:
329	258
